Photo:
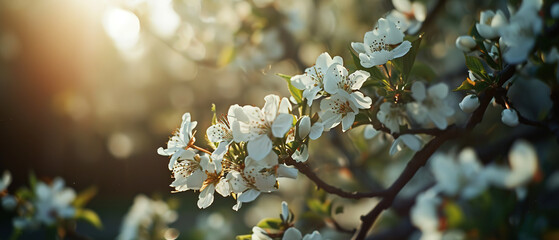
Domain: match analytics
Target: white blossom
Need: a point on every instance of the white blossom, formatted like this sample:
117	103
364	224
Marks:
212	183
370	132
142	216
523	162
463	177
189	174
520	34
53	202
409	140
466	43
555	10
430	104
311	82
490	23
408	16
470	103
376	47
262	125
391	116
338	81
509	117
257	176
338	108
424	214
178	144
293	233
301	154
5	181
226	131
304	126
259	233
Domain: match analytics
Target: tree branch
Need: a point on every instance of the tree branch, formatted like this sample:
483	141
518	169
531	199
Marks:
307	171
421	157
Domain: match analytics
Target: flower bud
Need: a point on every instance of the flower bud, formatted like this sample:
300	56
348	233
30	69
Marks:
509	117
304	127
472	76
469	103
465	43
284	211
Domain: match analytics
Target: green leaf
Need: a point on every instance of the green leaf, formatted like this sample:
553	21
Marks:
244	237
32	181
356	60
270	223
454	214
85	196
339	209
214	117
475	65
404	64
226	55
479	40
321	208
423	71
89	216
295	92
466	85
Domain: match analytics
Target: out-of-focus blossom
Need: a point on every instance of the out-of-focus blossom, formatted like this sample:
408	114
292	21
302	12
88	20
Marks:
146	214
391	116
178	145
424	215
466	43
293	233
5	181
376	47
509	117
409	140
490	23
462	177
430	104
370	132
312	81
470	103
555	10
53	202
523	162
408	16
520	34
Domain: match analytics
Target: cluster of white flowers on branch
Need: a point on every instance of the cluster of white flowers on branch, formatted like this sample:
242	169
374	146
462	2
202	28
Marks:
256	146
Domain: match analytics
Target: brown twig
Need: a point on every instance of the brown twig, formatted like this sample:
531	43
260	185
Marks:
307	171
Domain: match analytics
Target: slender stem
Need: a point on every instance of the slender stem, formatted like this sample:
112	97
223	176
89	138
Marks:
307	171
201	149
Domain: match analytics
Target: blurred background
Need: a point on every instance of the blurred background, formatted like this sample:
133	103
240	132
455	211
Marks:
90	89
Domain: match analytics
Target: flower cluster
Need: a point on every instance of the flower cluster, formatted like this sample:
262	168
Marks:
244	164
499	41
465	178
284	230
147	219
47	204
